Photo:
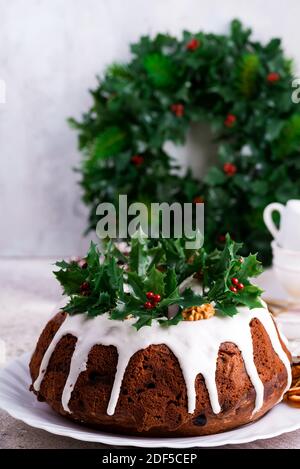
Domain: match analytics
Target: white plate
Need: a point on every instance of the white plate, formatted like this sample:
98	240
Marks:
21	404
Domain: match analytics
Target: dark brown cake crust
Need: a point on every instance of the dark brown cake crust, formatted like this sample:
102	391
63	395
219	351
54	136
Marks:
153	399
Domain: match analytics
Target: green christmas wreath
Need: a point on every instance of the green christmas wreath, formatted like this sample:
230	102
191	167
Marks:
241	88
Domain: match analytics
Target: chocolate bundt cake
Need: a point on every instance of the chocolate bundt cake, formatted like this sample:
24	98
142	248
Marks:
189	380
207	374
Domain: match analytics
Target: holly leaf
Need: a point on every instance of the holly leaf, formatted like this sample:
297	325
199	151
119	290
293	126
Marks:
215	177
249	296
171	322
142	321
101	306
138	257
129	305
113	251
174	252
226	309
160	69
173	298
70	277
115	275
154	281
92	258
170	281
62	264
250	267
156	254
109	143
77	305
137	285
189	298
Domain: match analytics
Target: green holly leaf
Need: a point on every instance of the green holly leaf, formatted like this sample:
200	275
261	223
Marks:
250	297
125	307
62	264
173	298
109	143
248	68
226	309
154	281
189	298
289	138
77	305
92	257
215	177
171	322
250	267
170	281
143	320
160	69
115	275
139	258
137	284
70	278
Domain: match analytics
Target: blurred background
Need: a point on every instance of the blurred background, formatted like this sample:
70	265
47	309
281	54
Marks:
50	54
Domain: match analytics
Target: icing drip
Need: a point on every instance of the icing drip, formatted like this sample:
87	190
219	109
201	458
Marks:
195	344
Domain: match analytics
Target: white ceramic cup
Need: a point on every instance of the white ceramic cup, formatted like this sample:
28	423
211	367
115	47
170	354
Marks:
288	234
289	280
285	258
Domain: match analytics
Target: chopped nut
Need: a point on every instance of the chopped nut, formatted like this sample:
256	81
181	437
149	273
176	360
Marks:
295	399
195	313
296	371
292	396
294	391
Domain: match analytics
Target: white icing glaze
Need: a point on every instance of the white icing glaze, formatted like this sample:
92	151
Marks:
195	344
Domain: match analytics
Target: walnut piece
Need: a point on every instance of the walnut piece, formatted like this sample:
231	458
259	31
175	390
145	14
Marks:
195	313
292	396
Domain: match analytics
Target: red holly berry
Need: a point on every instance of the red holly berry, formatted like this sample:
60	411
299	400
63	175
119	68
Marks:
193	44
85	288
177	109
240	286
230	169
233	289
157	298
273	77
148	305
137	160
234	281
230	120
198	200
150	295
221	238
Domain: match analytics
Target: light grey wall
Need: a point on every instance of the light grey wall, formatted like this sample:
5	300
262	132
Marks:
50	51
